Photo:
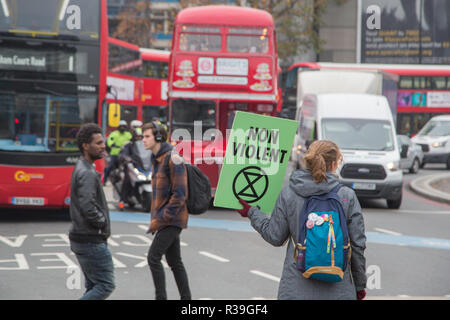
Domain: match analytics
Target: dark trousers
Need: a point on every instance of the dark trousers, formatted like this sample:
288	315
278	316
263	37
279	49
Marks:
167	241
111	164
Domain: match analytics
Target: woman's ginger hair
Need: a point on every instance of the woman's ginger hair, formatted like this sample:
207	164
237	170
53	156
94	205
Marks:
319	157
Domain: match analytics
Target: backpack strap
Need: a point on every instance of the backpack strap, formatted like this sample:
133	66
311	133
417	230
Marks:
336	188
166	164
166	167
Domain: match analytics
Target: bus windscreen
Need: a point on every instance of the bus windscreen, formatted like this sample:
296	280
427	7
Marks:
75	19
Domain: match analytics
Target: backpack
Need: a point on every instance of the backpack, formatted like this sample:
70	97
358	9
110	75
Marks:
323	248
199	188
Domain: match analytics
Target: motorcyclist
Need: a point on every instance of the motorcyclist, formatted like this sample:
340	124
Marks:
133	152
135	124
116	141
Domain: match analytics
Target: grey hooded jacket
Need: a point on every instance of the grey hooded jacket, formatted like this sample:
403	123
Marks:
281	225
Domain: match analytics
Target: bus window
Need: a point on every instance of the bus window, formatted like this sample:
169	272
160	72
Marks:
150	113
404	124
38	122
200	42
155	69
127	113
124	61
291	79
439	83
186	111
243	43
54	18
405	82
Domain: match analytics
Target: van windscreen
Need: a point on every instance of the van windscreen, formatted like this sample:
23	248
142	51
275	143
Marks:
359	134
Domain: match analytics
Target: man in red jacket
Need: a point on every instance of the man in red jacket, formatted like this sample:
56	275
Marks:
169	213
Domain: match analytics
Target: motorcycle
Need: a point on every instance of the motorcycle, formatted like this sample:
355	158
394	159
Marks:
138	170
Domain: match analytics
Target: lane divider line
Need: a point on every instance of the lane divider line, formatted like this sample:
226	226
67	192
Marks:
213	256
265	275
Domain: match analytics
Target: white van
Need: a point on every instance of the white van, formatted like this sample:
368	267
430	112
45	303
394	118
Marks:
362	126
434	138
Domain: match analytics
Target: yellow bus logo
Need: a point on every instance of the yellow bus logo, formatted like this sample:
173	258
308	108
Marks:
23	176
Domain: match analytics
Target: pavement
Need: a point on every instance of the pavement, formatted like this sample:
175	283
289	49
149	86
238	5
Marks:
435	187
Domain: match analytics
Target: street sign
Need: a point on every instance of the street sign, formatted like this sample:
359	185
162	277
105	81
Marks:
256	158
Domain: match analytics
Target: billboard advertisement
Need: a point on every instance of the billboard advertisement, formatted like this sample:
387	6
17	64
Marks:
404	31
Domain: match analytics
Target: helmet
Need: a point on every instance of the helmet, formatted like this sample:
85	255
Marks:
123	123
136	123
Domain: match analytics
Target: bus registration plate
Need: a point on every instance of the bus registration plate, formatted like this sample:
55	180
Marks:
364	186
27	201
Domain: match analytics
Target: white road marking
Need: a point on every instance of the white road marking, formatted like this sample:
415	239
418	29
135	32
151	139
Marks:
213	256
265	275
387	231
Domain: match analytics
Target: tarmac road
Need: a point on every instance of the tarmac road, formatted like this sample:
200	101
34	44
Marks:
407	253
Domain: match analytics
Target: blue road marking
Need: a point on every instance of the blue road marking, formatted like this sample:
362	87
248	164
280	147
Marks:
232	225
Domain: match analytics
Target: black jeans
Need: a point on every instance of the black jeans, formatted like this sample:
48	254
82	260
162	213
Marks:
167	241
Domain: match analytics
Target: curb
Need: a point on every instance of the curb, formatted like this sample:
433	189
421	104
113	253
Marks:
422	186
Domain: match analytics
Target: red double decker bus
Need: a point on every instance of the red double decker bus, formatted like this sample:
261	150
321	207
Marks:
124	81
52	57
423	90
155	71
223	59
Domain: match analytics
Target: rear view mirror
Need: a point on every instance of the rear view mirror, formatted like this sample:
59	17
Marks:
113	114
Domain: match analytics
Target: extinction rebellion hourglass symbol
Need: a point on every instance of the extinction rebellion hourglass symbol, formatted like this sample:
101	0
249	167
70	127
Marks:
250	184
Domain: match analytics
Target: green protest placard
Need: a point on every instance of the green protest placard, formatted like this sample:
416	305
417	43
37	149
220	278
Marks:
255	162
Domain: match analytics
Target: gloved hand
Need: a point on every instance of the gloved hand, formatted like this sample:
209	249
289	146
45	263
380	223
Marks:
244	211
361	294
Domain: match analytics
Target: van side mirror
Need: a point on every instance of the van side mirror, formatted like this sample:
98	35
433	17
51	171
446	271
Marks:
113	114
404	151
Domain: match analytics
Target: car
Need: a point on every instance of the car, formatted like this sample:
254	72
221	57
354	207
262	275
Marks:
434	138
411	155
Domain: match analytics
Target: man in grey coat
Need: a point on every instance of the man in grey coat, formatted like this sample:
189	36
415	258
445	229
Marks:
282	224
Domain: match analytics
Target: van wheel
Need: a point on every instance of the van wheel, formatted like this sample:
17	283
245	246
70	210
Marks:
394	204
415	166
